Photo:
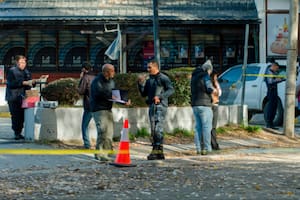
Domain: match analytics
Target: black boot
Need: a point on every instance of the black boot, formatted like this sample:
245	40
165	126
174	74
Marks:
156	153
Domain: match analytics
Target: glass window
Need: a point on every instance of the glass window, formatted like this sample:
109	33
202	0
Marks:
231	76
252	73
235	74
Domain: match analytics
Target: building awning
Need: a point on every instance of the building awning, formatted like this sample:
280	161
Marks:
185	11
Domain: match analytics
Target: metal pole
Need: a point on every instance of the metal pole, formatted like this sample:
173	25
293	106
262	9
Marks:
121	53
156	32
290	87
244	121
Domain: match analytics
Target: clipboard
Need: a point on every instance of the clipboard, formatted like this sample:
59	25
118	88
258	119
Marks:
119	96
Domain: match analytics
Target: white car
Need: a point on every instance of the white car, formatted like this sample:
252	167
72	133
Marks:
255	89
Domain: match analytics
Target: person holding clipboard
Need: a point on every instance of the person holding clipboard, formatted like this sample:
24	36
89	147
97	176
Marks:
101	101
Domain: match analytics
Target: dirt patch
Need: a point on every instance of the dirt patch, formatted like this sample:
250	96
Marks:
276	137
237	132
229	133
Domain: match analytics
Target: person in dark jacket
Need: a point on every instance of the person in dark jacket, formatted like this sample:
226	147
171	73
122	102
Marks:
101	106
201	90
87	75
157	89
272	93
101	92
18	80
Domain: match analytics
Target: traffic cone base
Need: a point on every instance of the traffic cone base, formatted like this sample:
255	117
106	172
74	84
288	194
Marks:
123	156
122	165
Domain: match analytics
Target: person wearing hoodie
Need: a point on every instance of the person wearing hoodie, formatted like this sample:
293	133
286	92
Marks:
87	75
157	89
201	102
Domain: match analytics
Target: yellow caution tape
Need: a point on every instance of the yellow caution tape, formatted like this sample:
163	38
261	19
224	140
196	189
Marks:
267	75
58	151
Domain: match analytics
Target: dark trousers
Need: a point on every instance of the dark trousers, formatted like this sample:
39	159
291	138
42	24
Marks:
214	143
17	116
271	107
157	115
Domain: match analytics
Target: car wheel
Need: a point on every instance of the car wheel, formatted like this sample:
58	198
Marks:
278	120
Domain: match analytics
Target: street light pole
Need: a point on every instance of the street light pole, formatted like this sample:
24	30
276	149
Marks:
156	32
290	87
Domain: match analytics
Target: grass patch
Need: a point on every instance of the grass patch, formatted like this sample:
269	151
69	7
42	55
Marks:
252	129
141	133
180	132
238	130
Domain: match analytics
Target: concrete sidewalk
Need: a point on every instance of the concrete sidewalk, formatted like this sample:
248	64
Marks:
138	149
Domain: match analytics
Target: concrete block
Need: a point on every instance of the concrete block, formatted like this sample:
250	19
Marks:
223	115
69	124
29	124
2	96
64	124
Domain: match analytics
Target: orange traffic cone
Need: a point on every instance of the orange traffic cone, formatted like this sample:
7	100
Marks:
123	156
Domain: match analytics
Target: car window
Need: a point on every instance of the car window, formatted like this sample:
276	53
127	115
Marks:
252	73
282	70
235	74
232	76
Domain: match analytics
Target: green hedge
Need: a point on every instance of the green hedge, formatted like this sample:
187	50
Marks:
65	90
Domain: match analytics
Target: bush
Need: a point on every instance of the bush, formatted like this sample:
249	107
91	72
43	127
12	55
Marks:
181	83
65	90
180	80
62	90
129	82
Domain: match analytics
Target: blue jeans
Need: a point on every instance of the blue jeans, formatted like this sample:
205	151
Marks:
86	118
203	118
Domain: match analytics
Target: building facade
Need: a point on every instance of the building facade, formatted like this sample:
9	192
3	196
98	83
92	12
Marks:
58	36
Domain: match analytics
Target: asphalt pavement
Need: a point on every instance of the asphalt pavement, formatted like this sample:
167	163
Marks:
138	150
241	170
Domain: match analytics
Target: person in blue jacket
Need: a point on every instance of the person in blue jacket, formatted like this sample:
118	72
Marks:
18	80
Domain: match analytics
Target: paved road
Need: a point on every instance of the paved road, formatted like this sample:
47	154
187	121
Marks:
247	172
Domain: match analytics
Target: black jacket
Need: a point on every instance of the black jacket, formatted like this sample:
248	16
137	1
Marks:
101	92
201	88
15	89
157	85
